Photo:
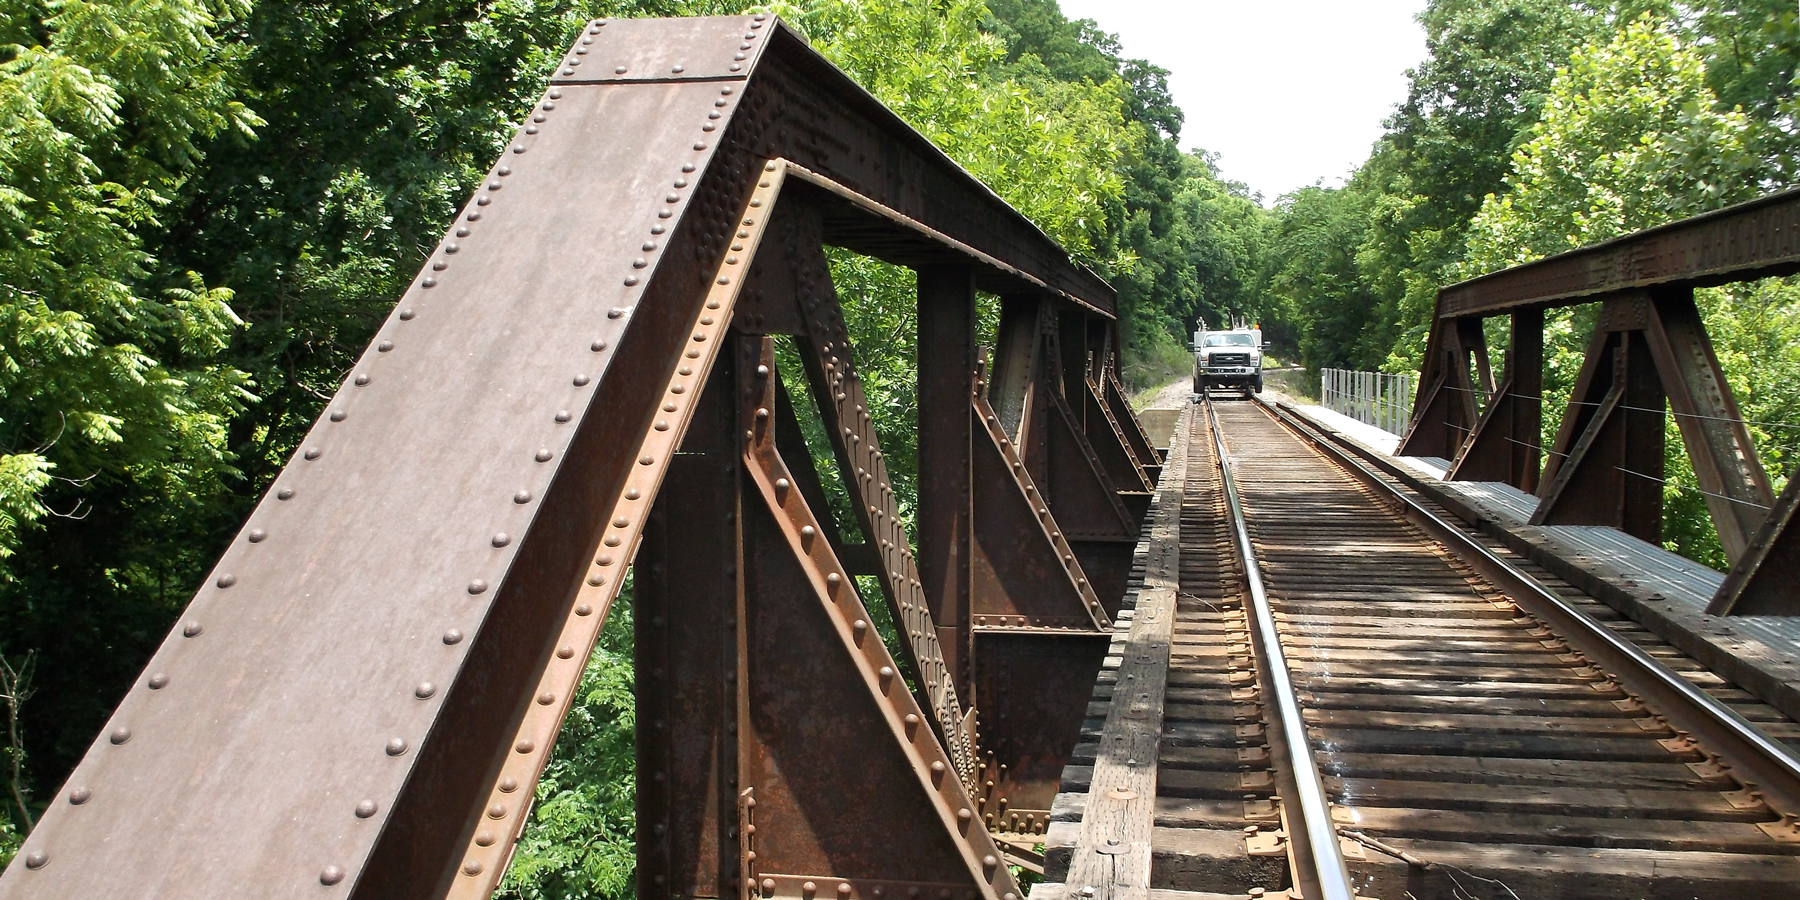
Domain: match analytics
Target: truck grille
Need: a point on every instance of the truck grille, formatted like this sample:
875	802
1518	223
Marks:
1228	359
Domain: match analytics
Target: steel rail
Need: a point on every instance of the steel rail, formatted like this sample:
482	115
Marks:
1320	870
1761	763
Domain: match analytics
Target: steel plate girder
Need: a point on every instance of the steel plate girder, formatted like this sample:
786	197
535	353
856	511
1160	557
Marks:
809	647
372	638
1756	239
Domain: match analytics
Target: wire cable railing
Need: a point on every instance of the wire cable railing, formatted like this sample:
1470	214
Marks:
1372	398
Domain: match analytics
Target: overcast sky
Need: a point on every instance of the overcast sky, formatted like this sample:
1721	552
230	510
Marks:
1285	91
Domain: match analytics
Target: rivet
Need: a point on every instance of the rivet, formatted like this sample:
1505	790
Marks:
605	559
806	531
708	126
497	811
508	784
584	610
564	652
692	354
768	885
362	379
739	57
678	389
472	867
385	346
531	129
158	681
396	746
525	746
484	839
331	875
618	70
453	636
365	809
503	171
483	200
616	311
192	629
662	426
664	213
568	71
736	66
676	69
681	182
424	690
338	415
639	263
493	185
312	453
964	814
477	586
699	145
562	415
539	117
518	148
808	889
596	579
597	346
672	198
522	497
580	379
257	535
545	699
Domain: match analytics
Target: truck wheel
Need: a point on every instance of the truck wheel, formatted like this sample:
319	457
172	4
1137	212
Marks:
1259	382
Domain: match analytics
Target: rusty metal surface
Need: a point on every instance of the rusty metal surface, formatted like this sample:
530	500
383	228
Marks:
873	745
713	48
363	694
1756	239
375	568
1761	583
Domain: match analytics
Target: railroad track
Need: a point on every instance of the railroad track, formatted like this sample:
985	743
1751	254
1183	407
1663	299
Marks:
1473	727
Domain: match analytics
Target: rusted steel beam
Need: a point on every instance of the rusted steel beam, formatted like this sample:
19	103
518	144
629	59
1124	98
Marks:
1756	239
359	708
1444	409
914	824
1504	445
1762	582
1606	467
946	490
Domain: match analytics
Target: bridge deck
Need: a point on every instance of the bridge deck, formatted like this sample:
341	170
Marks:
1451	727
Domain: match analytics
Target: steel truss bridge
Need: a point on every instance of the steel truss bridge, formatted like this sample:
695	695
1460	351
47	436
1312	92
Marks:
1267	658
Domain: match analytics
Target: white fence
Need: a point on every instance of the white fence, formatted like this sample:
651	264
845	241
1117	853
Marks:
1373	398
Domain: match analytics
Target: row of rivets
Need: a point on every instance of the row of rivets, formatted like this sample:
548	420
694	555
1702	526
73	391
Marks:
623	529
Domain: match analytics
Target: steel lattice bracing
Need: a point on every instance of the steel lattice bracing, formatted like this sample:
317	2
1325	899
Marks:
361	697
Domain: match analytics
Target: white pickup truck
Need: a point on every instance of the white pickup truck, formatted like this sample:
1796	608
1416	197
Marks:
1228	359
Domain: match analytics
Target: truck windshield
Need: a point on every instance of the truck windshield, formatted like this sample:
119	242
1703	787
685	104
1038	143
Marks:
1230	340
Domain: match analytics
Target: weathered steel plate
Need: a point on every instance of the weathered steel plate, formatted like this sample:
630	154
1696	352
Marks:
636	50
1756	239
296	699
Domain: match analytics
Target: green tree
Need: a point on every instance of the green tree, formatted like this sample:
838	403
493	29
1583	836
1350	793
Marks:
1631	137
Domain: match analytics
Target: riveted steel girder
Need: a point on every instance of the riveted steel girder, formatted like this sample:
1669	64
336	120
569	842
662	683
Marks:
361	696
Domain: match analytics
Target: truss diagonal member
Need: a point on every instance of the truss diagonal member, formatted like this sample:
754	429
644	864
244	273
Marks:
1054	590
787	843
486	854
831	371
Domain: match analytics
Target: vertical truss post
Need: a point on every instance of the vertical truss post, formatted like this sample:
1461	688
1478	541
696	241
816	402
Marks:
1504	445
1444	411
689	659
946	378
1607	463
